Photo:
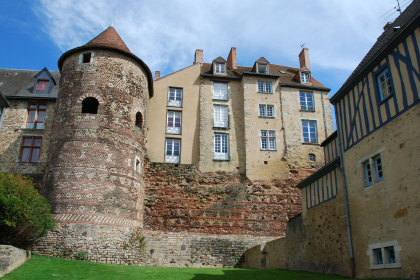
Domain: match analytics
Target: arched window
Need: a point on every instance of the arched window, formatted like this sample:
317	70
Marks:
139	120
90	105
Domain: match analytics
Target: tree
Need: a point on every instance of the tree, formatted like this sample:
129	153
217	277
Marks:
24	213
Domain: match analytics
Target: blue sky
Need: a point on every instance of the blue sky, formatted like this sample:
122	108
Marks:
165	34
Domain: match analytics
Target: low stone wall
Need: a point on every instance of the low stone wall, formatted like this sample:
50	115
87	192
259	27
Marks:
119	245
11	258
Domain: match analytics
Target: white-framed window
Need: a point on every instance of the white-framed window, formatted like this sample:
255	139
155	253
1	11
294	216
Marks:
263	68
173	150
220	91
304	77
368	173
264	87
377	173
266	110
309	131
175	97
173	122
384	84
384	255
268	140
306	101
312	157
220	116
378	168
221	146
219	68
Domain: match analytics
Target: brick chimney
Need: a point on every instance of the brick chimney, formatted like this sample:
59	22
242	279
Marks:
304	58
231	61
198	57
157	75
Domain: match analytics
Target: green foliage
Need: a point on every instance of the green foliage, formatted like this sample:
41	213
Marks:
152	251
80	255
140	239
24	213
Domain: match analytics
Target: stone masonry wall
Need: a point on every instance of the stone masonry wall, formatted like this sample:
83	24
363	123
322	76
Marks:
11	258
180	198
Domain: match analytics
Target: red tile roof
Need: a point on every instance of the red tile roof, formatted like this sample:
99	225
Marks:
109	38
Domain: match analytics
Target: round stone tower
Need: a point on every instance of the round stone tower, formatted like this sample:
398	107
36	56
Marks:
94	178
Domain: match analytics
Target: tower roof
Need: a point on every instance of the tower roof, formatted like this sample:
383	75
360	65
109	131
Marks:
109	38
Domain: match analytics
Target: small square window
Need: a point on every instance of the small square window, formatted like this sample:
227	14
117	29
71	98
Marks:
42	84
306	101
384	84
263	68
175	97
264	87
312	157
31	148
87	57
266	110
220	68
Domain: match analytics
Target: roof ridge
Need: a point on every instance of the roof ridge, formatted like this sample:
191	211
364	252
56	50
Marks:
177	71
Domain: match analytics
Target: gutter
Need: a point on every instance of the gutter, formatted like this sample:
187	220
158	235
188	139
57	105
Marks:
353	272
325	117
304	86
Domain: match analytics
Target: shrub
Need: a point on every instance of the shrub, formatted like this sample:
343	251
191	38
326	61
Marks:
80	255
24	213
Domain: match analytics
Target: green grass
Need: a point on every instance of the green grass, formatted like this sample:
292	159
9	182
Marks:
45	268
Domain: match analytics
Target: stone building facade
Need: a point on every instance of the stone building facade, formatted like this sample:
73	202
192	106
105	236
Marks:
360	211
127	187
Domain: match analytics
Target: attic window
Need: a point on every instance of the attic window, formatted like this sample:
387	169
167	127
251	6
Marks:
90	106
219	68
304	78
86	57
42	84
262	68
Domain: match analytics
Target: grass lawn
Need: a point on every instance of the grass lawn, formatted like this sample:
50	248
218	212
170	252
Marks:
39	267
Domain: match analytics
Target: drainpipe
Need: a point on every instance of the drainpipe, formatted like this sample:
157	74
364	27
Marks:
353	272
325	117
2	116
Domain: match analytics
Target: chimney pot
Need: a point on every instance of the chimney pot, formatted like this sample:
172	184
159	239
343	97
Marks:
157	75
304	58
198	57
231	61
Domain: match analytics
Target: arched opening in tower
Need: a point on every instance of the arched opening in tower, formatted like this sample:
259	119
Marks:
139	120
90	105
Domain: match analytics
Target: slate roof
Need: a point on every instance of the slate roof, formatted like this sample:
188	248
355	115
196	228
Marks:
16	83
379	49
274	69
3	101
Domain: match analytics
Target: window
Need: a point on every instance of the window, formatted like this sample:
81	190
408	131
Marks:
42	84
307	101
172	153
173	125
384	255
139	120
368	173
379	174
220	91
312	157
221	146
264	87
90	105
138	165
86	57
378	256
175	97
262	68
304	77
390	254
378	167
309	131
266	110
36	115
268	140
220	116
219	68
384	84
31	147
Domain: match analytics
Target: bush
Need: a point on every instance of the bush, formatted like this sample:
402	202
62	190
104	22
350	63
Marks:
24	213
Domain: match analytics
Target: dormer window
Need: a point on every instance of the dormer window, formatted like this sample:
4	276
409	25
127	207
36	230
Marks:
42	84
220	68
263	68
86	57
304	77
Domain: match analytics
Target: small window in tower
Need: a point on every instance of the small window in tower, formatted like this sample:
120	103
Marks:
139	120
90	105
86	57
138	165
312	157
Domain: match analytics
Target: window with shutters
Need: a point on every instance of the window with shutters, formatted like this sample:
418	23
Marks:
31	148
220	118
268	140
266	110
36	115
173	150
173	123
220	91
175	97
221	146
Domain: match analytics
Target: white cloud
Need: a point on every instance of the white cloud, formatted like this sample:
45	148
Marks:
165	34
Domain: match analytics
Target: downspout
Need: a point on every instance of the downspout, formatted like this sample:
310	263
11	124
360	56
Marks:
282	124
353	272
2	116
325	117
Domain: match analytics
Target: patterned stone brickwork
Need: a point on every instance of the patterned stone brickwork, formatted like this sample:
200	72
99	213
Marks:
12	132
121	245
181	198
91	174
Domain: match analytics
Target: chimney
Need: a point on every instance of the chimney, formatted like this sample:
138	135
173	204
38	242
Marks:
387	25
304	58
231	61
198	57
157	75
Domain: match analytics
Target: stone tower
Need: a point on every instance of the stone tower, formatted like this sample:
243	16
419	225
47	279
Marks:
94	179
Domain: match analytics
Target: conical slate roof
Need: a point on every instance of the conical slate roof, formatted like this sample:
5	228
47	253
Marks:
109	38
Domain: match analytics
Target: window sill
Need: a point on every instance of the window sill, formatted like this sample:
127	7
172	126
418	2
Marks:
310	143
215	99
266	117
262	150
223	128
221	159
264	92
386	265
310	111
33	129
172	106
